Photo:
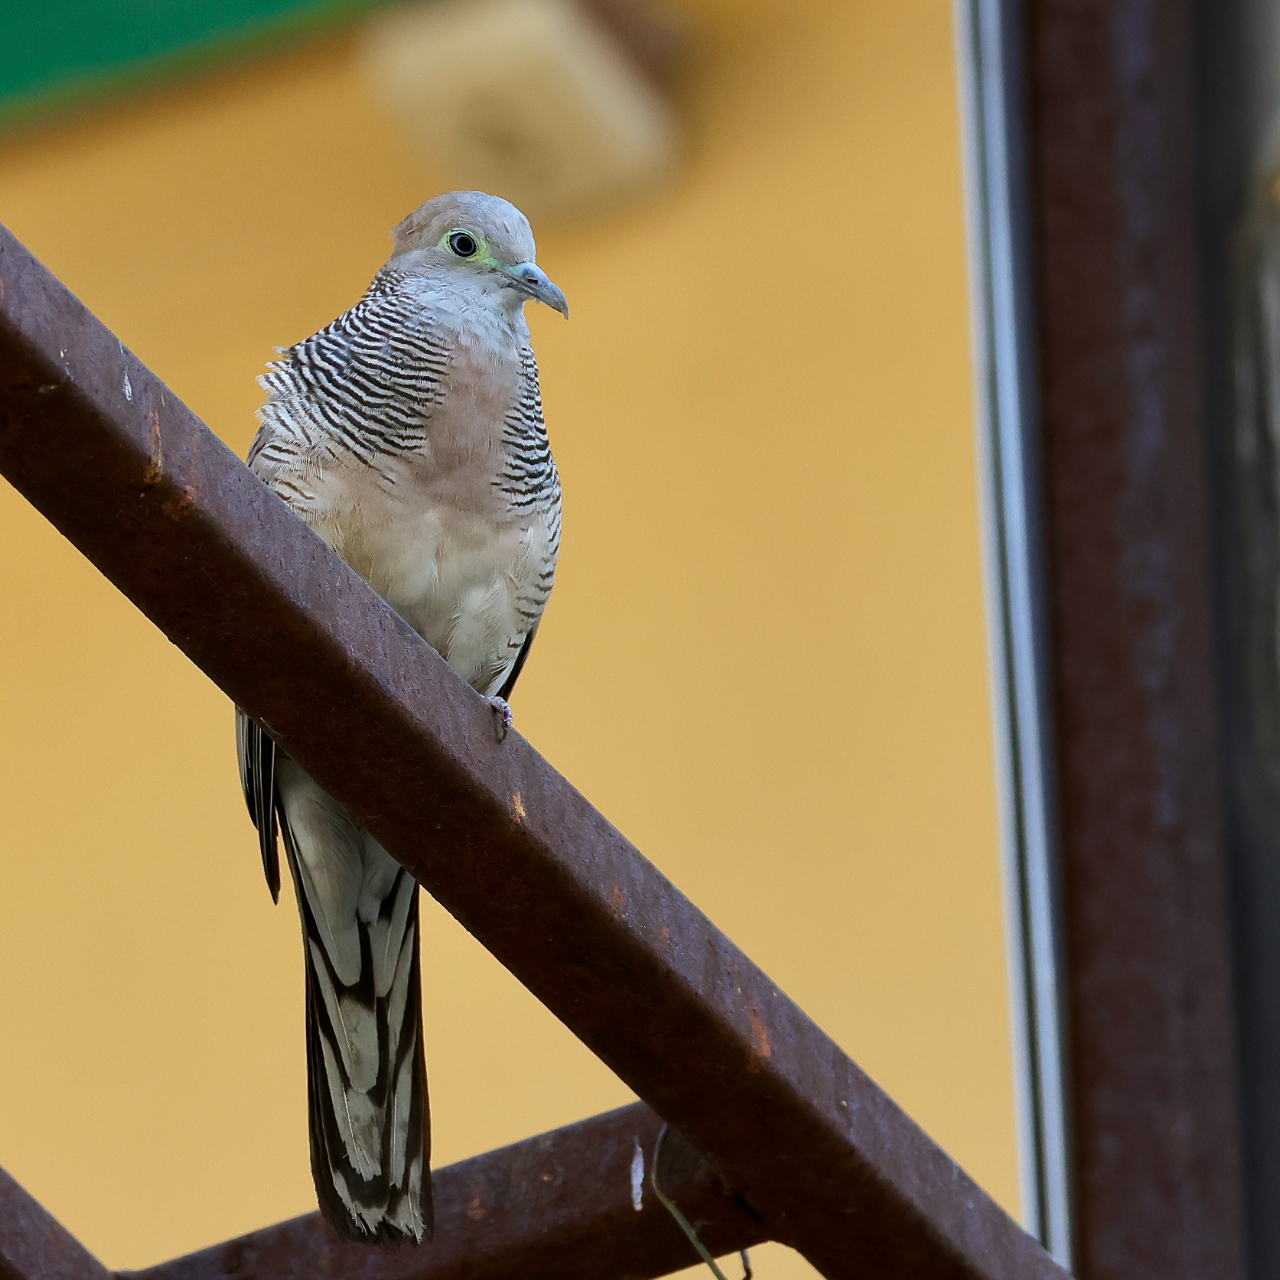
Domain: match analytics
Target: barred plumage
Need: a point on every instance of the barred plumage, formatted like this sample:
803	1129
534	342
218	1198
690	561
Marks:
529	479
409	434
365	383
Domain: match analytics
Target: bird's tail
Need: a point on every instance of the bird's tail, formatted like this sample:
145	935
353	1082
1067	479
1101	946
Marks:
366	1074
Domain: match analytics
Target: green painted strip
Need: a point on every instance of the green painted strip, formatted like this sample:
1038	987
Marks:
53	52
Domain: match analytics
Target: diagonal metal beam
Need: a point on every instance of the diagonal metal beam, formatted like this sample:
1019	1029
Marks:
556	1207
33	1246
231	576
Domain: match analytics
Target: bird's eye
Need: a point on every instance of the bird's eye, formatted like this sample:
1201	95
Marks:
463	243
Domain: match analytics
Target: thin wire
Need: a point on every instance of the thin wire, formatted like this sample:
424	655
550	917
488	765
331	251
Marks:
685	1225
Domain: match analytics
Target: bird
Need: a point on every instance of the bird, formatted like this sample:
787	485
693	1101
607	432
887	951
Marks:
409	435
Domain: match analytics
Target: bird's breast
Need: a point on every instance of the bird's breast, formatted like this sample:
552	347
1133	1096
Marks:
460	532
437	535
465	581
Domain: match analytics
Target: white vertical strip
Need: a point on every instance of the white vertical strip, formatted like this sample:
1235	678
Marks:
989	45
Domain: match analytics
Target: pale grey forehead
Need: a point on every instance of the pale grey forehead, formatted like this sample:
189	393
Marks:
502	225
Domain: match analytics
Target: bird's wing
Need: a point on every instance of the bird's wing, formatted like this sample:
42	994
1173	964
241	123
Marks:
257	755
514	674
369	382
529	480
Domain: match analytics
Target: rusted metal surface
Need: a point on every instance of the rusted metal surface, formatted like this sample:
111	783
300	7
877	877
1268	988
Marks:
35	1247
834	1167
556	1207
1157	1150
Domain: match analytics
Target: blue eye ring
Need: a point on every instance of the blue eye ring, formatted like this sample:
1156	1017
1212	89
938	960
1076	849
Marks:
464	244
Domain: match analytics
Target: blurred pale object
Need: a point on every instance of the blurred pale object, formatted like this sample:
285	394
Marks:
533	100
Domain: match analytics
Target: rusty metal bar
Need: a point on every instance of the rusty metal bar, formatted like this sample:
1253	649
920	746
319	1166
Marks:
35	1247
561	1206
1148	973
558	1206
233	578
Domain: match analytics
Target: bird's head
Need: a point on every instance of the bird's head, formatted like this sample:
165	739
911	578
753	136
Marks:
468	231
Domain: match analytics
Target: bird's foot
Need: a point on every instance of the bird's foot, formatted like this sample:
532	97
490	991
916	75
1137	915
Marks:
502	714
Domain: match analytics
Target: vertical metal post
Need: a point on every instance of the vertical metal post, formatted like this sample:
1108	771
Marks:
1116	200
990	40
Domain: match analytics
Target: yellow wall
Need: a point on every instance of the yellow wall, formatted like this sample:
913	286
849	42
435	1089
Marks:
764	659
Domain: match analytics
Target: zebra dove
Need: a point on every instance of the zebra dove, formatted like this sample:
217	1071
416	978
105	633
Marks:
409	435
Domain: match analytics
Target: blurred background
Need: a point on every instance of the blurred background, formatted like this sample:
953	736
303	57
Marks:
765	656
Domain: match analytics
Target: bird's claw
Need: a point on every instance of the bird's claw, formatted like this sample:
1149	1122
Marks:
502	714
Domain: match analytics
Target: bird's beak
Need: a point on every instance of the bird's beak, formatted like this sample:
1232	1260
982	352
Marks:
532	281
